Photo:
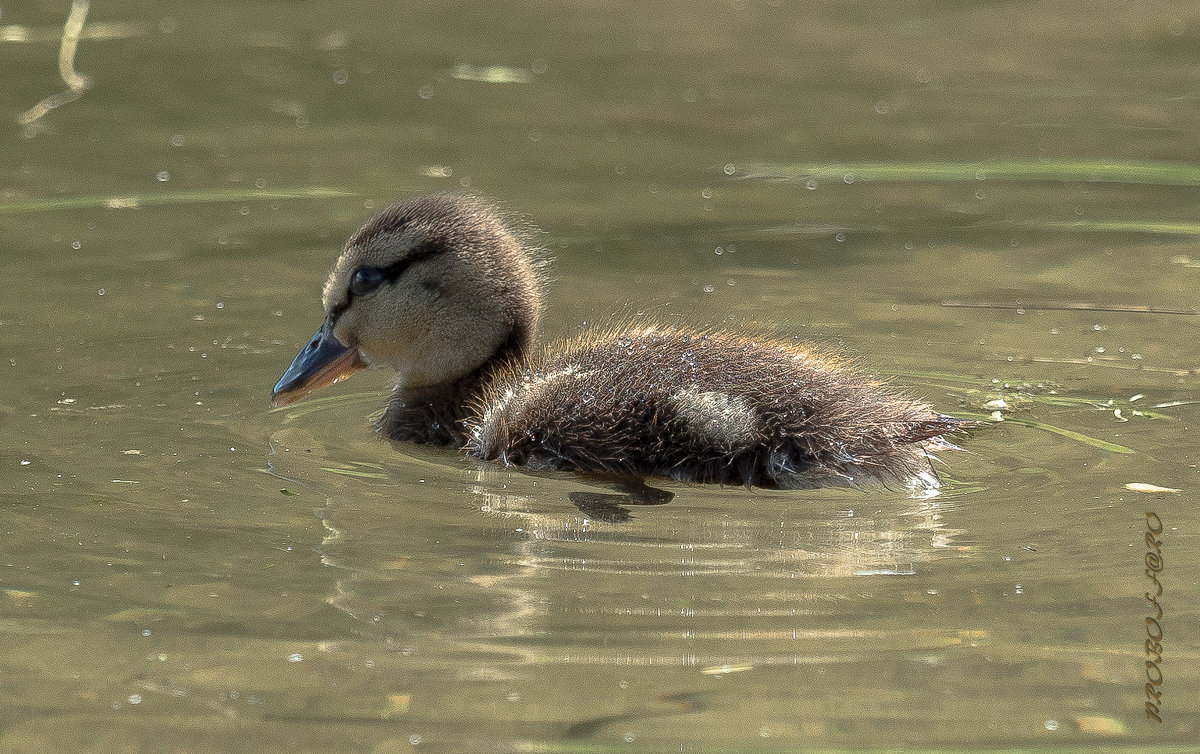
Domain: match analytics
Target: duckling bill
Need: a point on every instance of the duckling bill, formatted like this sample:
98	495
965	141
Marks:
438	289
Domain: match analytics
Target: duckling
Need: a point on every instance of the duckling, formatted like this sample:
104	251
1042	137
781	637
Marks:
440	290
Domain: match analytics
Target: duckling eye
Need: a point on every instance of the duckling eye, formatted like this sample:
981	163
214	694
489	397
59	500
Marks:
365	279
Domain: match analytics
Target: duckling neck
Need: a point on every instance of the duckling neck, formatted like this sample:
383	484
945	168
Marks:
439	414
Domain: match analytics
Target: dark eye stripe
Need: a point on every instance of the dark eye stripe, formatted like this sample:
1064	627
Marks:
391	274
394	270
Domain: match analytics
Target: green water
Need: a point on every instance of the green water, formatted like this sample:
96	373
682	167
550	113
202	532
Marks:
987	202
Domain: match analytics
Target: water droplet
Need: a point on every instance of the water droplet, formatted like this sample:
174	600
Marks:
840	237
295	657
76	245
340	76
162	176
135	698
1050	725
730	169
709	288
811	184
145	632
425	92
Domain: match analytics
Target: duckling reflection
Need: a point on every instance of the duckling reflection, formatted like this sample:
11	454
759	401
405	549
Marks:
438	289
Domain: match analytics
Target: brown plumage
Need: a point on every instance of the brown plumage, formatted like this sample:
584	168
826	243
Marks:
438	289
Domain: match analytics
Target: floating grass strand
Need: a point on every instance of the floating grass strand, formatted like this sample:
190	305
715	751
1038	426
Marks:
1090	170
1065	306
351	472
1173	404
1000	399
1158	227
1094	442
163	198
596	747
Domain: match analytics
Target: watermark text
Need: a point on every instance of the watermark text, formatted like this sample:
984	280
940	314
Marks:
1153	561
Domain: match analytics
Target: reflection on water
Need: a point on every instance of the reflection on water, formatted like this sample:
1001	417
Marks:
762	581
848	543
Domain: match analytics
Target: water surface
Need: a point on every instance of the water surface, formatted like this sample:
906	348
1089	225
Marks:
186	569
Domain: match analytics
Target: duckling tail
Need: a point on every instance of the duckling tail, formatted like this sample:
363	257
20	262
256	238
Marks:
934	430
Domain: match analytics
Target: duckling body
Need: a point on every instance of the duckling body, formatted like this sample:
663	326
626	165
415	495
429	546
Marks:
438	288
712	407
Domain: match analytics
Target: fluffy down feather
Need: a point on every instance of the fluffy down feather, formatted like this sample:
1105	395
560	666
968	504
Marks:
705	407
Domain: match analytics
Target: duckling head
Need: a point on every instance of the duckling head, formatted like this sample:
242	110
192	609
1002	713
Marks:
433	287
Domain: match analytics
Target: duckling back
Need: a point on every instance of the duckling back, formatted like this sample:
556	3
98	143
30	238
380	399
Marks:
706	407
